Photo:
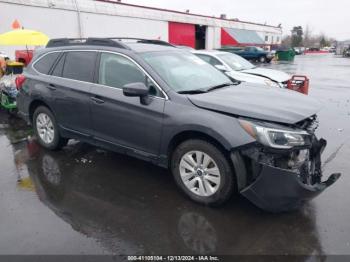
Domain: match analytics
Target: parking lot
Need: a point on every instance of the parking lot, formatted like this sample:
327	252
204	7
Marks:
85	200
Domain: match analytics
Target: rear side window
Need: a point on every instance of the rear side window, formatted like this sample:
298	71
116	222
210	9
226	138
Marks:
80	66
44	64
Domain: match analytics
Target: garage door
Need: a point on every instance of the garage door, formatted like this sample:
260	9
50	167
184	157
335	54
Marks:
182	34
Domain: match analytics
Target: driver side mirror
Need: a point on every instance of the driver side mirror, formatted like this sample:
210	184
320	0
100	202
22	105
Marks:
138	89
222	68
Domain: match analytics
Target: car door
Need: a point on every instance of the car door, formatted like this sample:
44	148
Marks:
120	120
248	53
71	83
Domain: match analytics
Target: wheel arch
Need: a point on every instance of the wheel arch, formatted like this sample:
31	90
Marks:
234	158
187	135
34	105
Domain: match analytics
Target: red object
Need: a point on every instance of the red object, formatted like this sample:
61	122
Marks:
19	81
16	25
24	56
32	147
226	39
299	83
182	34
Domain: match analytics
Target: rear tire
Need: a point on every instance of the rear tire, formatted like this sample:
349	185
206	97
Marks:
262	59
202	172
46	129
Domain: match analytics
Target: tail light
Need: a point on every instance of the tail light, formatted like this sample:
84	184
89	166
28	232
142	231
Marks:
19	81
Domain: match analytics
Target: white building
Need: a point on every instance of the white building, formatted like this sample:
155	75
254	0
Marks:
84	18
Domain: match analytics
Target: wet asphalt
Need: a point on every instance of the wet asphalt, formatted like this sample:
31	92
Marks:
85	200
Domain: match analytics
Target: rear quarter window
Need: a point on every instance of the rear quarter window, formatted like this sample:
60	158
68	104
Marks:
58	68
45	63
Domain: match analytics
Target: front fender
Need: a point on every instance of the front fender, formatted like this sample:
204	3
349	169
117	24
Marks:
223	128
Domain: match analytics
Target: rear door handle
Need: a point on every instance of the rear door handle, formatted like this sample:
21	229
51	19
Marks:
51	87
97	100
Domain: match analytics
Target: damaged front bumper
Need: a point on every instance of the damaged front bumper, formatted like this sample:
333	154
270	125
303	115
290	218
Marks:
279	184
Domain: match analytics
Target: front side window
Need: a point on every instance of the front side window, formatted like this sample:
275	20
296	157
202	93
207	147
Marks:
44	64
184	71
118	71
80	65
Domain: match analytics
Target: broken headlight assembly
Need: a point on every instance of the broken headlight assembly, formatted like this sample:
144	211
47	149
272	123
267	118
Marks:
275	136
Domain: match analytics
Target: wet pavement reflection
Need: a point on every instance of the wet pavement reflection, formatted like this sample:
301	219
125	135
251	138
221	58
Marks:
85	200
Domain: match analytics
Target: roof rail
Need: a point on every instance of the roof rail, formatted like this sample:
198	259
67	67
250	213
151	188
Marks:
58	42
142	40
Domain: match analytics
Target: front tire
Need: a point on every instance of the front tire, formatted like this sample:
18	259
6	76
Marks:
46	129
202	171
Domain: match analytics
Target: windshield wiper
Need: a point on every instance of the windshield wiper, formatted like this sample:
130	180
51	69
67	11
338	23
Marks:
218	86
201	91
194	91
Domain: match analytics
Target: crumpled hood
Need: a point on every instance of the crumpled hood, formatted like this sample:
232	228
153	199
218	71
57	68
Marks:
274	75
259	102
244	77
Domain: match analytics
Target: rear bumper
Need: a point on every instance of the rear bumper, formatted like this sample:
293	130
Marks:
277	190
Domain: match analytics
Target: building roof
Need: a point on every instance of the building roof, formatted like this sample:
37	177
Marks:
184	13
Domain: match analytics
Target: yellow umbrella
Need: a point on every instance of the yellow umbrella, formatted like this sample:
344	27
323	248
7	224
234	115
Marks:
23	37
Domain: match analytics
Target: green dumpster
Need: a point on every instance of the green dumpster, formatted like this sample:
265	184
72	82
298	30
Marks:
285	54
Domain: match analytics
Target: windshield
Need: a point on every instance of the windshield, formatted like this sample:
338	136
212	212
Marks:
236	62
183	71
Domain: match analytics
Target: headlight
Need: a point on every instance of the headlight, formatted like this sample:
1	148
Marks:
275	137
271	83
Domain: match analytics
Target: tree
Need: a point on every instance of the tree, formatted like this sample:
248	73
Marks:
324	41
287	40
297	36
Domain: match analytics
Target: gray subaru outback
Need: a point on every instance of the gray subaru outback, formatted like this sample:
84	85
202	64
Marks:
153	101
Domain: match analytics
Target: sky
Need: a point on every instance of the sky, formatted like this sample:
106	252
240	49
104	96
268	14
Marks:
329	17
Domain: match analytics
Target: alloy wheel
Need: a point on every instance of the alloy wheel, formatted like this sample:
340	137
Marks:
199	173
45	128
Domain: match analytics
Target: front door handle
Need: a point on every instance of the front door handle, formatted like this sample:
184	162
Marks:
97	100
51	87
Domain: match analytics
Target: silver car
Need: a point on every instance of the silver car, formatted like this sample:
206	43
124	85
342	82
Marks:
240	69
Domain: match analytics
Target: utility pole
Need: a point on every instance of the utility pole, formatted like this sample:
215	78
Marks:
80	27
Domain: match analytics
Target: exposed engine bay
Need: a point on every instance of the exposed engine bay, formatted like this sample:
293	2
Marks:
281	179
